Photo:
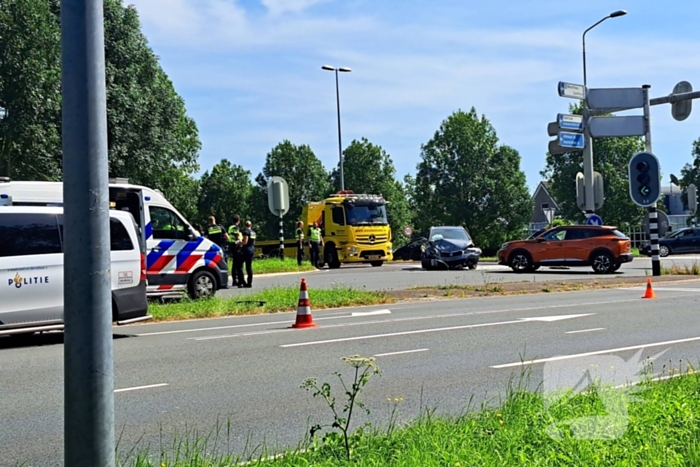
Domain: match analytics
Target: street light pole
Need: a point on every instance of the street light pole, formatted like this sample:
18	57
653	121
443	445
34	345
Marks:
337	98
588	141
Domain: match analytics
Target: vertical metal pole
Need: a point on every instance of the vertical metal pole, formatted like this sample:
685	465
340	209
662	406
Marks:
340	145
89	372
653	216
281	238
588	191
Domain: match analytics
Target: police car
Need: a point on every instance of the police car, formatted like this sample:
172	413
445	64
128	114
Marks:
178	259
32	277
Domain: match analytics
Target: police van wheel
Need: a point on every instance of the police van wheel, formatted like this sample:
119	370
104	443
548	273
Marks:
202	285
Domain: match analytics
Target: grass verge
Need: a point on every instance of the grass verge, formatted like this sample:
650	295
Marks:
682	269
655	423
266	301
276	265
453	291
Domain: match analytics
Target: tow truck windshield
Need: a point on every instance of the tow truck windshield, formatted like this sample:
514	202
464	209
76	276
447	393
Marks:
366	214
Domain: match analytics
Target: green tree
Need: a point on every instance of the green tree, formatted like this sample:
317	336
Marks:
306	178
225	191
466	178
151	140
690	173
369	169
30	79
611	158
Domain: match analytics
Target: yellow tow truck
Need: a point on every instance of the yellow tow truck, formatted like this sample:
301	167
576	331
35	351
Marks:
354	227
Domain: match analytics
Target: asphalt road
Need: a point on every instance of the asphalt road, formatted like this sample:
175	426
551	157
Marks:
249	369
403	275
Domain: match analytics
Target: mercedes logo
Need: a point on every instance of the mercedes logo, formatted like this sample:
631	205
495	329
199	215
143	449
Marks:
371	238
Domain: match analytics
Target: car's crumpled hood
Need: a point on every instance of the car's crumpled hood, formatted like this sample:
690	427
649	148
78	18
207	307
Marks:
452	245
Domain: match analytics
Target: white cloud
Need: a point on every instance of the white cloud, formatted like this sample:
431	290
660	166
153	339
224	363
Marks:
278	7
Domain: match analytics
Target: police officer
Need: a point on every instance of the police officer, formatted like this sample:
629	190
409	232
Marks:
217	234
315	242
248	245
236	252
299	236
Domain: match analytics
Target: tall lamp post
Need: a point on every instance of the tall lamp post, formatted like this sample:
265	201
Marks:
337	97
3	115
588	142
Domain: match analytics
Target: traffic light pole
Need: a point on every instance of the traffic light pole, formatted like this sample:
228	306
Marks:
653	219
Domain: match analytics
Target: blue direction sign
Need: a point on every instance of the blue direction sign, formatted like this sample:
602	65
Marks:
572	91
570	122
594	219
570	140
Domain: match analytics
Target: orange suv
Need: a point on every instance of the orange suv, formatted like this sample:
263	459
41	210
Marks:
601	247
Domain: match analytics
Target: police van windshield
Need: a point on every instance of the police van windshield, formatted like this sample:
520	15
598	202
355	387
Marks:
366	214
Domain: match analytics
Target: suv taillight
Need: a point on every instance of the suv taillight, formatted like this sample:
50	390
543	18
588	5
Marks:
143	267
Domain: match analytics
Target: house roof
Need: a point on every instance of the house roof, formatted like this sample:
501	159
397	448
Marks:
544	185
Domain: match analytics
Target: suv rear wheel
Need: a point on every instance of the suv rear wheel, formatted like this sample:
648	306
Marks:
603	263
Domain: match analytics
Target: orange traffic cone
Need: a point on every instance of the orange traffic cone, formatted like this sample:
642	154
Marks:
649	292
304	318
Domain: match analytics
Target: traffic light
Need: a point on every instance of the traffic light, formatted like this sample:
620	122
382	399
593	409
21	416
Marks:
644	179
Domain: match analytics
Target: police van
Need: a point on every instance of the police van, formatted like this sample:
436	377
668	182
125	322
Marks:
32	272
179	259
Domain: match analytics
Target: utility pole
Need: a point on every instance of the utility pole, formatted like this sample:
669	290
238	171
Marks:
88	353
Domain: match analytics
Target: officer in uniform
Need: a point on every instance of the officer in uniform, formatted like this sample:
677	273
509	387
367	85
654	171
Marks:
248	245
315	242
236	252
300	242
217	234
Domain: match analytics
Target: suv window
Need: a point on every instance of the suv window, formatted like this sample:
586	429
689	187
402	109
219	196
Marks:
119	237
29	234
166	224
554	236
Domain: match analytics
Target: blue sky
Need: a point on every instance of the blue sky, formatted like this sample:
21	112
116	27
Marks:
250	70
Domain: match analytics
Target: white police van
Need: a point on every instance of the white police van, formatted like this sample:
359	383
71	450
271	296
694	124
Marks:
178	258
32	273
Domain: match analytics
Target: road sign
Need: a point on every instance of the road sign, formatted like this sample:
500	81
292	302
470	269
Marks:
613	127
570	122
570	140
692	199
549	214
615	98
662	223
555	148
407	231
598	190
594	219
681	110
581	191
278	196
572	91
644	179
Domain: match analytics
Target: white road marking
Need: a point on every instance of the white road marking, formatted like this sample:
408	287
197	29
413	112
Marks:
371	313
420	331
141	387
400	353
666	289
234	326
585	330
597	352
549	319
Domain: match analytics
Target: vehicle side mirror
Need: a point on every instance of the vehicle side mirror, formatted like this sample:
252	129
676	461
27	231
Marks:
191	235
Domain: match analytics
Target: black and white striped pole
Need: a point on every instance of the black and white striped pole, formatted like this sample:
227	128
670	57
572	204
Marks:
653	216
281	238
